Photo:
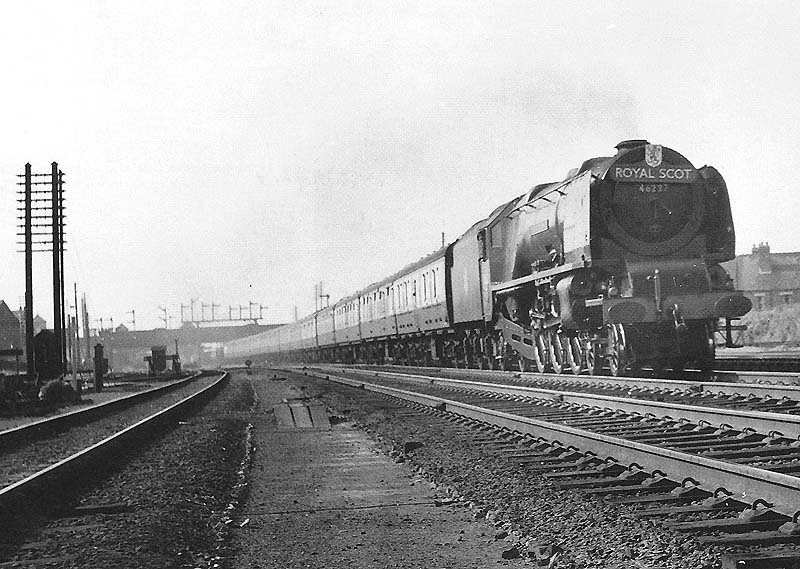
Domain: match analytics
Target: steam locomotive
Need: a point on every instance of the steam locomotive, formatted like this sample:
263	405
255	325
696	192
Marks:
617	266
